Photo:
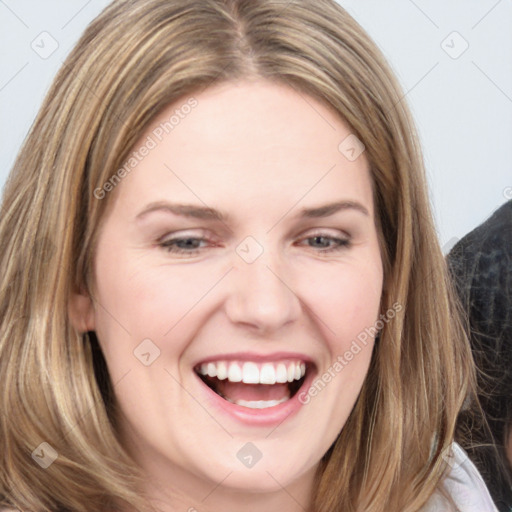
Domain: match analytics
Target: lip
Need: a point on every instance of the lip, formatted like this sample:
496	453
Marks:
270	416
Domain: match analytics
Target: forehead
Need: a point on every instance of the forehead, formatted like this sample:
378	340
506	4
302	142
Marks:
246	142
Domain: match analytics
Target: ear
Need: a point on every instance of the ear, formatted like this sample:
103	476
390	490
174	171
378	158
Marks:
81	312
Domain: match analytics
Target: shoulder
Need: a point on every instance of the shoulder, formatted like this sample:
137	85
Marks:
464	485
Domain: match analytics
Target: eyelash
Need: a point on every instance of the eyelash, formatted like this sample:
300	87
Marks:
341	243
170	244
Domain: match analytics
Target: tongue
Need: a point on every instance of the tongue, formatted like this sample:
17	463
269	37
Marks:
250	392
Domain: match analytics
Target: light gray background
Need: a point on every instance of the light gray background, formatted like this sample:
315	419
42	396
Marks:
462	102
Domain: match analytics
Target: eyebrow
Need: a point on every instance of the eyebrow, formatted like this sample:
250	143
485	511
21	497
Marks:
185	210
331	209
206	213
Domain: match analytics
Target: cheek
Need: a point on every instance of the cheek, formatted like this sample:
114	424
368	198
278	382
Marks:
141	302
345	299
138	301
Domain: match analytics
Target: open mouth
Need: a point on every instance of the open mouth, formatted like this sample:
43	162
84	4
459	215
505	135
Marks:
254	385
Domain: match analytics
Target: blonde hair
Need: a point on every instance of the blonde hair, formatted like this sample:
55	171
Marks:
136	58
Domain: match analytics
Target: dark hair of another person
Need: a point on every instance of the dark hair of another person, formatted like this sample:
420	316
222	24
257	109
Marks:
481	265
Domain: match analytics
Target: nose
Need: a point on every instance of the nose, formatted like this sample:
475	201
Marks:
261	295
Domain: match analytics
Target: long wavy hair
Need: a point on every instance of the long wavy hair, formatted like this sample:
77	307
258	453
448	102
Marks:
133	60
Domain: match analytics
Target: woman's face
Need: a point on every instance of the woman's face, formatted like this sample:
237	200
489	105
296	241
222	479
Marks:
242	245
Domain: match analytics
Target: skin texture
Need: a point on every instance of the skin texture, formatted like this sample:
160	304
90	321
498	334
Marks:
259	153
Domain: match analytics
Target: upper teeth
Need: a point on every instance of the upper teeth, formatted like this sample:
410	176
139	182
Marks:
255	373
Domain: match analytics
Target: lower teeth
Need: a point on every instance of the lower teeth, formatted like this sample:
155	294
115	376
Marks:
293	388
257	404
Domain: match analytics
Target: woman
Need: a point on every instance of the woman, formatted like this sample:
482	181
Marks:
233	298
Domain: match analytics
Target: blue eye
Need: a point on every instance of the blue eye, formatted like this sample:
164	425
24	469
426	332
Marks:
190	245
183	245
326	243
